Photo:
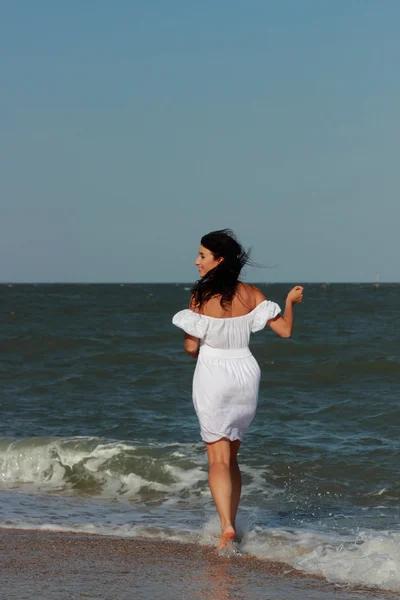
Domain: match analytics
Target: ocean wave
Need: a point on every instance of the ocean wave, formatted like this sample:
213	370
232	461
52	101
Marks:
98	467
369	558
167	483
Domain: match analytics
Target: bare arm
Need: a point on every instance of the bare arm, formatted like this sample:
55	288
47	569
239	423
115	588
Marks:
191	345
283	324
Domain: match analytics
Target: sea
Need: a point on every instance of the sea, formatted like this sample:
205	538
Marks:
98	433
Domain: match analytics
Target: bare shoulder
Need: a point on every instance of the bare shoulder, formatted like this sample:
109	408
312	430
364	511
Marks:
192	305
250	294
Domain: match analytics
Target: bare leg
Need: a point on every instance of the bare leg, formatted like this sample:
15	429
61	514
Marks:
236	479
224	481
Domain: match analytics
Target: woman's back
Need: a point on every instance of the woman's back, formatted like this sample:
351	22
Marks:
246	298
229	328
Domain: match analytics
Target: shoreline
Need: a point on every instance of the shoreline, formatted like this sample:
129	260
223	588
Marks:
57	565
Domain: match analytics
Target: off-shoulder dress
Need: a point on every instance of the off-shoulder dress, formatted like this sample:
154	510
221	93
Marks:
227	376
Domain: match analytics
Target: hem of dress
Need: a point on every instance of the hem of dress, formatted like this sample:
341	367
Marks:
217	437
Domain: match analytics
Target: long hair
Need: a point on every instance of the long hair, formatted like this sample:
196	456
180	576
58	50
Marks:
223	279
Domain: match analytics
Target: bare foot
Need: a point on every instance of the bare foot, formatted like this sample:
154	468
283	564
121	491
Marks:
227	536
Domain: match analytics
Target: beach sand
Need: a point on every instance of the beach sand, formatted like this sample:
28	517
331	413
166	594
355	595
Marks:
50	566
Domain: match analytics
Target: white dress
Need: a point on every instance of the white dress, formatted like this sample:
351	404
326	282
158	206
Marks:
227	376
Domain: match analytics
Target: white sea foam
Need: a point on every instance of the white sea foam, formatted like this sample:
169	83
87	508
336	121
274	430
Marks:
369	559
127	531
168	483
117	470
155	475
372	559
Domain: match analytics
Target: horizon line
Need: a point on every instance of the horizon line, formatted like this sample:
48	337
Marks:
320	282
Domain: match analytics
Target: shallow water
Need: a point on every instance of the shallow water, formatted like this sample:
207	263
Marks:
69	566
99	433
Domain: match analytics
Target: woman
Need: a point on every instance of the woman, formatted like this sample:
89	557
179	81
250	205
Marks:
222	314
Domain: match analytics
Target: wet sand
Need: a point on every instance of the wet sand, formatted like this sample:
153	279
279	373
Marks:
50	566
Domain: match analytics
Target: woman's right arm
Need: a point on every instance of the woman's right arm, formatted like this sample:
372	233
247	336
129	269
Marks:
283	324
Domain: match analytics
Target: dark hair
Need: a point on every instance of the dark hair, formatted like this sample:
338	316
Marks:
222	280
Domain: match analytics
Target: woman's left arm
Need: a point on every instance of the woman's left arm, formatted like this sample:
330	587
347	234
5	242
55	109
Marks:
191	345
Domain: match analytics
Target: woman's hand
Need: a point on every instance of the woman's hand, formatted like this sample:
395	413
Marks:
295	296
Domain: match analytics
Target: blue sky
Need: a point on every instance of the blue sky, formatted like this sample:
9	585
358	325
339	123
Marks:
129	129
